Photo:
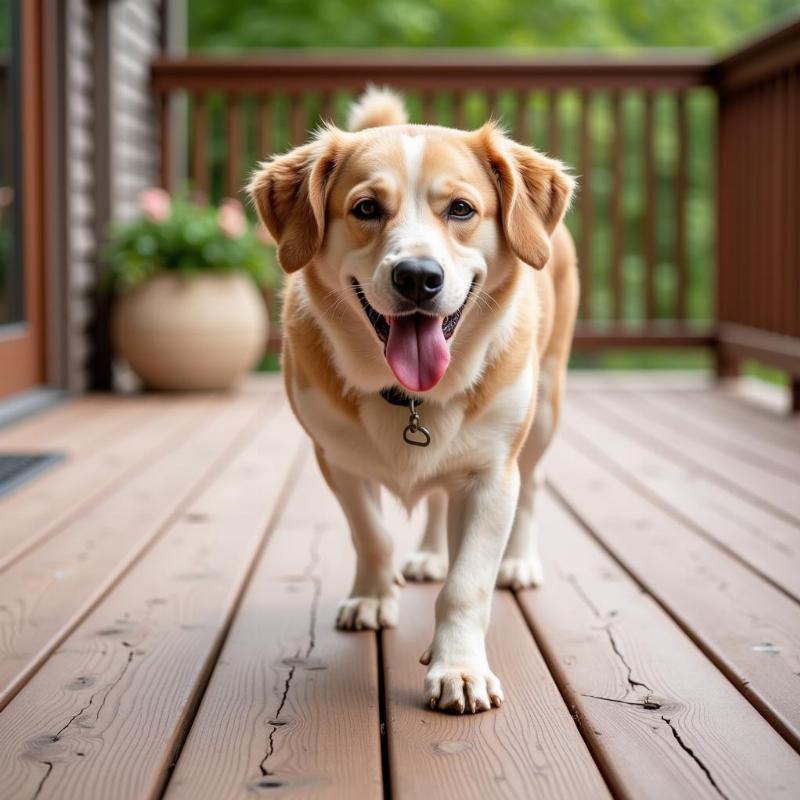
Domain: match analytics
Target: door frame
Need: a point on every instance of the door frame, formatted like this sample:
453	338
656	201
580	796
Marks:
22	344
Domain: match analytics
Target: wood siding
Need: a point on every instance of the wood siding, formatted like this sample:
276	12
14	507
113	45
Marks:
79	191
111	154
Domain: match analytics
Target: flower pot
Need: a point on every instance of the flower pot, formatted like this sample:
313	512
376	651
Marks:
188	333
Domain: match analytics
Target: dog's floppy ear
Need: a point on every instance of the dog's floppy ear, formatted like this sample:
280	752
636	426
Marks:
290	193
534	191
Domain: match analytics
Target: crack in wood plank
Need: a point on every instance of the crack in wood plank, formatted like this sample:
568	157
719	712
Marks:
647	703
309	574
632	682
49	765
113	685
690	752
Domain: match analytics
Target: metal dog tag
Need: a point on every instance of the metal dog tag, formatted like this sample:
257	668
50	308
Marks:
413	431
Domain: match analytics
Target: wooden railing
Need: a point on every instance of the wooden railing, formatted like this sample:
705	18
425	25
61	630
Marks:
625	127
643	136
759	204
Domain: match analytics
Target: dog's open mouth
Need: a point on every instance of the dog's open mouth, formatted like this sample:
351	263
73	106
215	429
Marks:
415	345
382	326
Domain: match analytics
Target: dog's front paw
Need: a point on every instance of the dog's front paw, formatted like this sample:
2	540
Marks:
462	690
367	613
520	573
424	565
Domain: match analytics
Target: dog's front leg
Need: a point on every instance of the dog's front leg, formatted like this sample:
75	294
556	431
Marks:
479	521
373	599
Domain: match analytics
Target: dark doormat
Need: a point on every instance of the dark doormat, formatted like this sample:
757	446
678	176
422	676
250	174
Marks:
18	468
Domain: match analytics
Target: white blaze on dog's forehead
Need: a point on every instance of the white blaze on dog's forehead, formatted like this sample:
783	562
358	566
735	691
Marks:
413	148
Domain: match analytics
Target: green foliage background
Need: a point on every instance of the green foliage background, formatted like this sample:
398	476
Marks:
613	25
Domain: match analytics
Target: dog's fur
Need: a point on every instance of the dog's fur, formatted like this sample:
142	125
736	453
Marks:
494	410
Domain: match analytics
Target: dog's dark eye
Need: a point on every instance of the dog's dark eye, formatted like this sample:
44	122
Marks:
460	209
366	209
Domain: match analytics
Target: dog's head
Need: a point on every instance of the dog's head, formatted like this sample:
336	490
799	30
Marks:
410	223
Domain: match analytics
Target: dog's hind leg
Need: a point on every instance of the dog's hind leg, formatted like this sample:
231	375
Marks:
429	561
521	566
373	600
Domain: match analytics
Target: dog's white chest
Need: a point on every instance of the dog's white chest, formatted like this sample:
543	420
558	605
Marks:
374	448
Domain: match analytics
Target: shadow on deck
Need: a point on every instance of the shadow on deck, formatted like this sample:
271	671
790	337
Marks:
167	597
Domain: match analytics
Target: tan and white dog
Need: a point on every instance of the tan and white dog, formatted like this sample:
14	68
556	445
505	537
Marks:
427	264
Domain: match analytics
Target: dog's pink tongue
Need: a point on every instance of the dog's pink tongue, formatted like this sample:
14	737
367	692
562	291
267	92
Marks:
417	351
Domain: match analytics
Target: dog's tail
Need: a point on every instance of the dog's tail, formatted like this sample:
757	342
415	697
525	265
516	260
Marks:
375	108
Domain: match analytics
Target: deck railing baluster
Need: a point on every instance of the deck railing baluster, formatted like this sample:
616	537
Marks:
617	209
586	202
553	124
234	140
297	118
200	136
680	207
649	209
522	124
264	121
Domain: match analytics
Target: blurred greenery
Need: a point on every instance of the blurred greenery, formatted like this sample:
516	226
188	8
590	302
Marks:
611	25
614	26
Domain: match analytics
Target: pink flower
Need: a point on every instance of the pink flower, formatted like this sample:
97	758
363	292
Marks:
155	204
6	196
231	218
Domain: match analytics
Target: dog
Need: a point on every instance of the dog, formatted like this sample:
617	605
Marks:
428	315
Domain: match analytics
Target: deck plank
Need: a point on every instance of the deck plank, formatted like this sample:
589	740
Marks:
105	714
292	707
528	747
659	716
48	591
74	425
759	538
141	434
771	490
750	629
709	422
769	421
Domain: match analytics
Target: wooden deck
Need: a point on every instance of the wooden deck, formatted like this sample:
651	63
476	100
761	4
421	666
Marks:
167	597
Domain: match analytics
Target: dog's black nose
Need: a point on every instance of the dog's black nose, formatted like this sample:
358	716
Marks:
418	279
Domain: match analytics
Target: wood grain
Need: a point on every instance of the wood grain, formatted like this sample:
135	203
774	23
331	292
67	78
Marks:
747	627
141	433
528	747
766	542
743	417
74	425
106	713
46	593
661	719
775	492
292	707
704	423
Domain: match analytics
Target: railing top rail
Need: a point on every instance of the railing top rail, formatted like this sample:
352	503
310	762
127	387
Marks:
430	70
465	69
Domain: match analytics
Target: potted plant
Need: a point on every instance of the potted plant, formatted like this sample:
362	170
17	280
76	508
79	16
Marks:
188	313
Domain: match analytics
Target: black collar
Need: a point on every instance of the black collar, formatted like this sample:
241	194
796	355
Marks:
397	397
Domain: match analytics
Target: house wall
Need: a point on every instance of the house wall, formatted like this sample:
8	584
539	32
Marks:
135	38
110	154
77	193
